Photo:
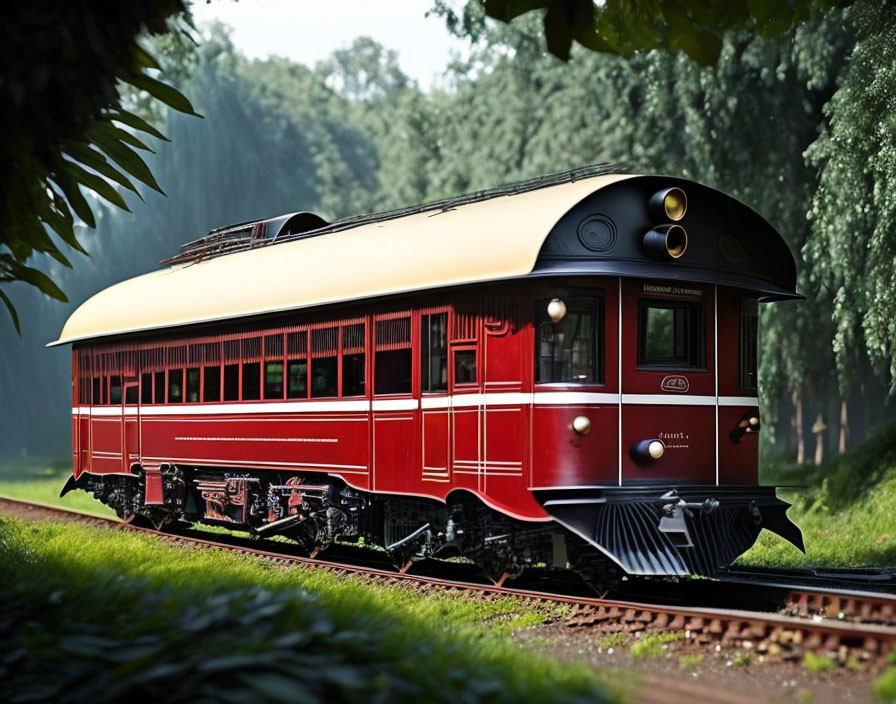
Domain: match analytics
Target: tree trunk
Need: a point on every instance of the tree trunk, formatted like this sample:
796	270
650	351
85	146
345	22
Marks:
798	425
819	448
844	427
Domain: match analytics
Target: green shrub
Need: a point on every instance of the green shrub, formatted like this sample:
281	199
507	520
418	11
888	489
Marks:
102	615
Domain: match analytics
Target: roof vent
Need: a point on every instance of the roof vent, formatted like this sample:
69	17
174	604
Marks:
234	238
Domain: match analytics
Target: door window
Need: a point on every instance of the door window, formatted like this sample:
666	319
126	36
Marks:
670	335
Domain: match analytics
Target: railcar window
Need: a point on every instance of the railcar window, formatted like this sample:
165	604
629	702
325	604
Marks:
297	378
193	385
571	350
146	387
297	364
131	394
251	359
325	362
670	334
211	383
749	336
353	360
251	381
273	366
115	390
434	352
392	359
273	380
159	383
95	397
175	385
231	382
465	367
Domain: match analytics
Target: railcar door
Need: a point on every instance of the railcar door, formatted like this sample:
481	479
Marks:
466	414
130	426
505	409
668	382
106	425
394	407
435	426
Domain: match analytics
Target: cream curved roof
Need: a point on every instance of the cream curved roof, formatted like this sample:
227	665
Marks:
481	241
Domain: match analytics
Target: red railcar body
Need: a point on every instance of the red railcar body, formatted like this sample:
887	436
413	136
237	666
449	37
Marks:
471	395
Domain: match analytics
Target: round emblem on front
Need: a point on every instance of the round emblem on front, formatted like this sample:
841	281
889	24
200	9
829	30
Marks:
597	233
732	250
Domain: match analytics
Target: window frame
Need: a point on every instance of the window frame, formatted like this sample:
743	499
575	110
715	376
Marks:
425	329
574	298
746	355
377	348
695	339
363	353
321	355
453	350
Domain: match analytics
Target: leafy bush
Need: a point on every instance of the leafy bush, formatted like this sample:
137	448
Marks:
102	616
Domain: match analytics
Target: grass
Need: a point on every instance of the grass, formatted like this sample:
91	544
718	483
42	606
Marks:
611	641
689	661
103	615
846	512
742	660
818	663
654	645
884	686
42	480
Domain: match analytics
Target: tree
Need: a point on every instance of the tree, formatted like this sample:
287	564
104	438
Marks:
64	126
622	27
853	246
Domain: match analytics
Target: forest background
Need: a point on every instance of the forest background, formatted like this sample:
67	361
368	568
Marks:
800	126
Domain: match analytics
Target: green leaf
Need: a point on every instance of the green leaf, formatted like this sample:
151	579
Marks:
97	161
12	311
128	159
59	217
703	47
558	32
40	280
74	196
506	10
145	59
60	257
113	132
137	123
169	95
97	184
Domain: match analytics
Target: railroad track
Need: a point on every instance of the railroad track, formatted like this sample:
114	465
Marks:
845	625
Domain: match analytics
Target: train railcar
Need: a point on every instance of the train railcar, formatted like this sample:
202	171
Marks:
560	373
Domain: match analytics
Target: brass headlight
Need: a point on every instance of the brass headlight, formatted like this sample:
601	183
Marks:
665	242
669	204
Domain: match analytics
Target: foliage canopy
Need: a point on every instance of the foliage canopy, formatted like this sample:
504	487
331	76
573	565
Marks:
696	27
64	126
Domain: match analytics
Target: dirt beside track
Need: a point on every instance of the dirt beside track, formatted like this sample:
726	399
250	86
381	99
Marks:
721	675
39	513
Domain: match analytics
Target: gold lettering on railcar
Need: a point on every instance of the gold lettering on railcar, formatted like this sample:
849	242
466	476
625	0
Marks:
675	441
668	290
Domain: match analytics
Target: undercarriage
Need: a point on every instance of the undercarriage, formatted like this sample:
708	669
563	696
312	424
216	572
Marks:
600	534
317	511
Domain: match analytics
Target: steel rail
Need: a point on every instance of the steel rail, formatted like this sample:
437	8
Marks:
773	633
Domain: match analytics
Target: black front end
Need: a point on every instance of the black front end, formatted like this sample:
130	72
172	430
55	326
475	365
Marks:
666	531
